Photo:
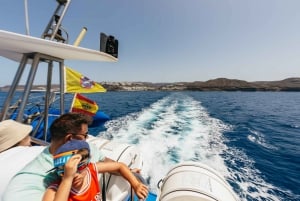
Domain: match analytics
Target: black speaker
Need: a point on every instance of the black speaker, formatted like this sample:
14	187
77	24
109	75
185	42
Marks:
109	44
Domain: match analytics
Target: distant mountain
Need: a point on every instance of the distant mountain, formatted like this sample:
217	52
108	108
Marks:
223	84
219	84
290	84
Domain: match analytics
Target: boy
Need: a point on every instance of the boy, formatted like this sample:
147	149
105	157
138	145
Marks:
78	177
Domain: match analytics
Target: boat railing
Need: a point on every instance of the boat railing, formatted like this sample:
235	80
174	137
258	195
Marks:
36	141
40	112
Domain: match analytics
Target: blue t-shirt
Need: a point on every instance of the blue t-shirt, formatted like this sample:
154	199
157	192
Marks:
30	183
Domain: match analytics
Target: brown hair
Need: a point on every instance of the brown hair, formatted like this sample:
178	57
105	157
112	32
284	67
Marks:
68	123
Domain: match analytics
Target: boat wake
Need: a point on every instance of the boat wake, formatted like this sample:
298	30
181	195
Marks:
258	138
178	128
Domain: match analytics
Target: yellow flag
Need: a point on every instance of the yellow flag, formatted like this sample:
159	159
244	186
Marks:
75	82
84	105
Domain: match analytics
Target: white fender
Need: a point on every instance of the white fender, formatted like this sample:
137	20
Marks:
118	189
194	182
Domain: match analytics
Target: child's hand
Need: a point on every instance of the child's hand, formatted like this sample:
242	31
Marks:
71	166
141	190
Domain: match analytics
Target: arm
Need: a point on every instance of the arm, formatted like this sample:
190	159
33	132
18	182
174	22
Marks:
63	191
140	189
106	159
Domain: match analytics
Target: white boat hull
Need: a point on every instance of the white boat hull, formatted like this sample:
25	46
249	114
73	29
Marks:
188	181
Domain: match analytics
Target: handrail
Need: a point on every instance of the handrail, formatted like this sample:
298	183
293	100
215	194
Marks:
39	142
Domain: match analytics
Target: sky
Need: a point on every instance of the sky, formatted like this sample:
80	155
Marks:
172	40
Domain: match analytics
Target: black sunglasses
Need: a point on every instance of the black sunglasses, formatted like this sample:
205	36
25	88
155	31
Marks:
85	135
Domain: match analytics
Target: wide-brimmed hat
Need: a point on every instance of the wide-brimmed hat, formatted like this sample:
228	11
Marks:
12	132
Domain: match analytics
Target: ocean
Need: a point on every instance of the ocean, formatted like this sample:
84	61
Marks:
251	138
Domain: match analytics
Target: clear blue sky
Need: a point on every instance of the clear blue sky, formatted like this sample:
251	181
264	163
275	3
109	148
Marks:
174	40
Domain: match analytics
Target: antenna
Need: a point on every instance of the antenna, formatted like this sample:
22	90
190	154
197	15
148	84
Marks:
26	17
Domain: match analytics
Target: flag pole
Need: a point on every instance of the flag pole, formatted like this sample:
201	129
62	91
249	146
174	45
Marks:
73	101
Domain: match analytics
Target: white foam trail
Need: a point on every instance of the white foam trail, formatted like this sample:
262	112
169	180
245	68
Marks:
259	138
174	129
247	178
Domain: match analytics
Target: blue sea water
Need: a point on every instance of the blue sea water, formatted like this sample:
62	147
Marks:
251	138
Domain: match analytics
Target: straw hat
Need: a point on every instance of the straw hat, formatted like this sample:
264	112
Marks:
12	132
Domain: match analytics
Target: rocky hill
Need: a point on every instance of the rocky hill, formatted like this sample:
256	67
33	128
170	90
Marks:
219	84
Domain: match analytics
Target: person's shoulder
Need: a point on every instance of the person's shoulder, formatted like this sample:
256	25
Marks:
92	141
42	162
96	153
93	149
92	145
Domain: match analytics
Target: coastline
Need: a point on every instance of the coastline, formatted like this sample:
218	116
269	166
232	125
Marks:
219	84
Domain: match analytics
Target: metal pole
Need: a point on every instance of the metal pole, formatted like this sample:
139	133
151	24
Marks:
60	19
13	87
48	27
80	36
62	86
47	99
26	17
34	67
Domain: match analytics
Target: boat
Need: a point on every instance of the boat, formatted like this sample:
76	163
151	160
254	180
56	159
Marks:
33	113
186	181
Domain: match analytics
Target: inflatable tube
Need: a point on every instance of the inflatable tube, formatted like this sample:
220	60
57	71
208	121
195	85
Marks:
99	119
194	182
117	188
